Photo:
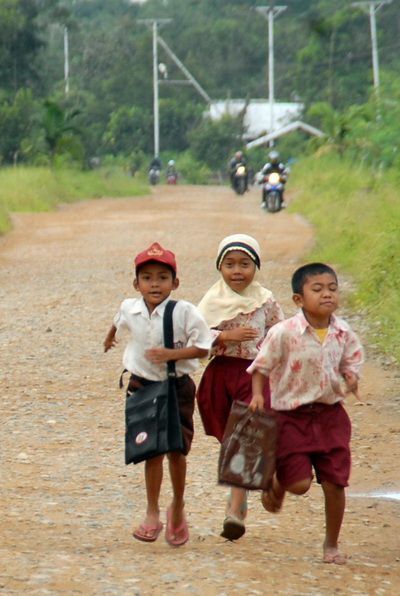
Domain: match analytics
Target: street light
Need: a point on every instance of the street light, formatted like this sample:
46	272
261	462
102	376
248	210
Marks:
154	25
66	61
270	12
372	8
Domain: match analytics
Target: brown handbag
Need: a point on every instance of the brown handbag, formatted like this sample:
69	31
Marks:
248	448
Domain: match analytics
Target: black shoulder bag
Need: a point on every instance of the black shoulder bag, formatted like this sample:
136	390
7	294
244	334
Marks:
151	413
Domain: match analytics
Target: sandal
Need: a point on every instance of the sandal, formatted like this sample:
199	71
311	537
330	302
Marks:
147	533
233	528
176	536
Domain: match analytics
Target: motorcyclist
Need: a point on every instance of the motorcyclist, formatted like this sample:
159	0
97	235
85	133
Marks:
171	169
274	165
154	170
155	163
238	159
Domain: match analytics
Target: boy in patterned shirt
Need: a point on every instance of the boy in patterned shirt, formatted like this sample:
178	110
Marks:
307	358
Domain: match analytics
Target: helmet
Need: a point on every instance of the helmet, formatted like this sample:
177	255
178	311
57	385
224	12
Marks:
171	162
273	157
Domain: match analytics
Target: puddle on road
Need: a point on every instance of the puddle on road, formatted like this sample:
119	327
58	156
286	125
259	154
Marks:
379	494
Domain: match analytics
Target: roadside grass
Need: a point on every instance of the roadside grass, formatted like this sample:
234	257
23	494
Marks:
356	216
41	189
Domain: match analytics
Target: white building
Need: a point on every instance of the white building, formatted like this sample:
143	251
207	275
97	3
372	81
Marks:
257	116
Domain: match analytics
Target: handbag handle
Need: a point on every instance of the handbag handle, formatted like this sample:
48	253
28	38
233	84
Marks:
245	420
168	331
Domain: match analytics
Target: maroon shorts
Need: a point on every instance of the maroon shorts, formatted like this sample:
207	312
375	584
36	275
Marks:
224	381
315	436
185	391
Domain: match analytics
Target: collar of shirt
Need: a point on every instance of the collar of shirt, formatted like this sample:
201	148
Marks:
139	307
335	324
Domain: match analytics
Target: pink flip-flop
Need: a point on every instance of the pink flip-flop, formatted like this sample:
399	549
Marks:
147	533
176	536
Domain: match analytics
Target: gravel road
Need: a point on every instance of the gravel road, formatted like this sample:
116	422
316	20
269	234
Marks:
68	501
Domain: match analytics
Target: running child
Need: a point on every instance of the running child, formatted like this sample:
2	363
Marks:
239	312
145	357
312	360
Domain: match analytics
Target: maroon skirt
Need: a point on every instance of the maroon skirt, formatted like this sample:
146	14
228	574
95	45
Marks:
224	381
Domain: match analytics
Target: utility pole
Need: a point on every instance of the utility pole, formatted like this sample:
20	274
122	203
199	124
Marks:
271	12
154	25
372	8
66	61
190	78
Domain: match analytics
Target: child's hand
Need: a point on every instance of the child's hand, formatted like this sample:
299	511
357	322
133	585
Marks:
257	402
109	343
240	334
351	381
158	355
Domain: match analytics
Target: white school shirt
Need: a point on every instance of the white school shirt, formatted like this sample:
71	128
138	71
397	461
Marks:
303	370
146	331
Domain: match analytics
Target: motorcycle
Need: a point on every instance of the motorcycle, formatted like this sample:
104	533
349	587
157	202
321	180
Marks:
154	176
240	179
172	178
272	194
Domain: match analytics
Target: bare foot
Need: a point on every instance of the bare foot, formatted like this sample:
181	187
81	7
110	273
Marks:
272	498
332	555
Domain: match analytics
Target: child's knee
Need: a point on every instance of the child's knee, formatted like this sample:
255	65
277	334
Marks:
300	487
176	456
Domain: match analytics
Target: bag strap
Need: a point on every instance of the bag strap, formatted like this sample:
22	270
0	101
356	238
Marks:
168	330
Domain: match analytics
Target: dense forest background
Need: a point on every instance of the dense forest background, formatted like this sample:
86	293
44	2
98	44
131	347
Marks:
322	58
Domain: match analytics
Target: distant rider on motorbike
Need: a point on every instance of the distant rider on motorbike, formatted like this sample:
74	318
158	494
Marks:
154	170
155	163
274	165
171	170
237	159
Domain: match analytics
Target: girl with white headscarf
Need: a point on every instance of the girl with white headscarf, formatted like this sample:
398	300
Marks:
239	311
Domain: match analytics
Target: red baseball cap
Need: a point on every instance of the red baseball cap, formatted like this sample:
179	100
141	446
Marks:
156	253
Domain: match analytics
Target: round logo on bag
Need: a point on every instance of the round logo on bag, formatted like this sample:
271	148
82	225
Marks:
237	463
141	438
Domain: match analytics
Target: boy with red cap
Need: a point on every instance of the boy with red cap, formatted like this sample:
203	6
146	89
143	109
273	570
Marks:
145	357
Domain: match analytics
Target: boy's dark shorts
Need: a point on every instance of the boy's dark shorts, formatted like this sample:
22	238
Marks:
185	391
314	436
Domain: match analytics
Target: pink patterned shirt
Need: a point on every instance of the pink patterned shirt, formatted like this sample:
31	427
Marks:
301	369
262	319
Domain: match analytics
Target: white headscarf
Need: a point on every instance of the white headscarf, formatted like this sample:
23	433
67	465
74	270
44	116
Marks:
242	242
221	303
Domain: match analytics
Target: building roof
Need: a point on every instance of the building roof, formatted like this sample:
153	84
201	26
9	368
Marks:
257	116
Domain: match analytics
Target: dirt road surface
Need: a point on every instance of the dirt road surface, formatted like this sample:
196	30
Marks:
69	503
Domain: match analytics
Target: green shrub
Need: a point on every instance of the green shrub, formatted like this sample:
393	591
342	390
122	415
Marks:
41	189
193	171
356	214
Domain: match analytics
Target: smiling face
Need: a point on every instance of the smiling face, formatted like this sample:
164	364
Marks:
237	270
319	299
155	282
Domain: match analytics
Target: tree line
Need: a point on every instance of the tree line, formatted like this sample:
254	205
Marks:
322	58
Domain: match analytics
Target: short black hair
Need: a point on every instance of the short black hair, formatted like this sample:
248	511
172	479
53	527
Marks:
158	263
301	274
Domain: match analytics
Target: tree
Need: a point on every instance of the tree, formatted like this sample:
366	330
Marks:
214	142
17	122
19	43
58	127
129	129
